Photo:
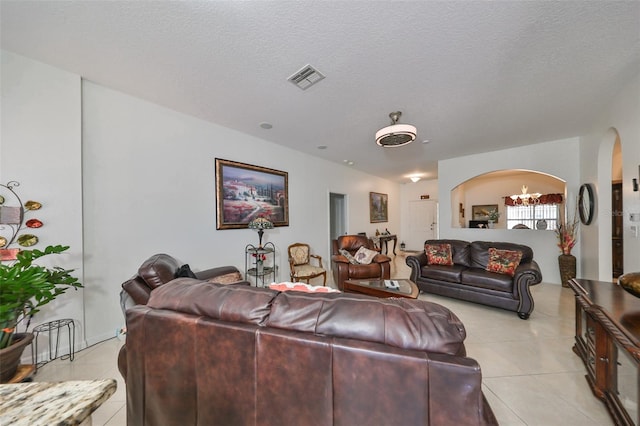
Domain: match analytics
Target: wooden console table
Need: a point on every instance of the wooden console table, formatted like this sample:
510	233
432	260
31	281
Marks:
384	239
607	340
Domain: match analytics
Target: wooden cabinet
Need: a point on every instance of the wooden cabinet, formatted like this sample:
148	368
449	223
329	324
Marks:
607	340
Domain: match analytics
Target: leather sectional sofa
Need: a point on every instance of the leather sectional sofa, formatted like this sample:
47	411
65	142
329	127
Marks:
468	279
200	353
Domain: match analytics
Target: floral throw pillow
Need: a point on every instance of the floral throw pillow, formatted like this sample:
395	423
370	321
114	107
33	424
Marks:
364	256
503	261
349	257
439	254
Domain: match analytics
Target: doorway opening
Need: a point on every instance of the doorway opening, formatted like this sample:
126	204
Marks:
337	218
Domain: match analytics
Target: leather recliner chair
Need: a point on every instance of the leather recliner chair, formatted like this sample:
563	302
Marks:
379	268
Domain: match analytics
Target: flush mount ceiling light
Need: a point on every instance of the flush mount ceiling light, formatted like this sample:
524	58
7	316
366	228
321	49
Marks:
414	179
396	134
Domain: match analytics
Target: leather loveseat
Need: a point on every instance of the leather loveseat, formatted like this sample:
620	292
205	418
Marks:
468	278
201	353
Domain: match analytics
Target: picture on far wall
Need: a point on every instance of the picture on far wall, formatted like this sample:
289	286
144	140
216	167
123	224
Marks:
378	211
245	192
482	212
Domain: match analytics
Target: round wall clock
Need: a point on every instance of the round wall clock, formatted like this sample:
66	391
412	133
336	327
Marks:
586	203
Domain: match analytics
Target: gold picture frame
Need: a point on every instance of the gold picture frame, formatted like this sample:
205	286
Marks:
245	192
378	207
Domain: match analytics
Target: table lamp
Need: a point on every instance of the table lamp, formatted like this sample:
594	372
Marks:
260	224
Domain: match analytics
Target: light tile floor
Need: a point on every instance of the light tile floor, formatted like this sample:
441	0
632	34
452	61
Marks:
530	374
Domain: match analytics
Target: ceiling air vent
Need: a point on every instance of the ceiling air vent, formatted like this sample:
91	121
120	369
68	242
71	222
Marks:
306	77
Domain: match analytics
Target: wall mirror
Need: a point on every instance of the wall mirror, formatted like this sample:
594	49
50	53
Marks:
535	201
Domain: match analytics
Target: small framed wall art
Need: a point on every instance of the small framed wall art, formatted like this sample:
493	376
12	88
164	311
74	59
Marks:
378	209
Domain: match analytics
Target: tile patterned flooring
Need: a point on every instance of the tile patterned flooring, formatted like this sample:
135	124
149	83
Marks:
530	374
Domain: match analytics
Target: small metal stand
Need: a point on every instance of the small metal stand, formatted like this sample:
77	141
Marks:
47	327
260	270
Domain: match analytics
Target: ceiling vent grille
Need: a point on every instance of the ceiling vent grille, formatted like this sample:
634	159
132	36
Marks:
306	77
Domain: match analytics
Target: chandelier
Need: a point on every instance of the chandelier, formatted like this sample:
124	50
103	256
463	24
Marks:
525	198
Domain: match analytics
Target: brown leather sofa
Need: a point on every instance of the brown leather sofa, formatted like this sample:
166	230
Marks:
157	270
468	280
200	353
379	268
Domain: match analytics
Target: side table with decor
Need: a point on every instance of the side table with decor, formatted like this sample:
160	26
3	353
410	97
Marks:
260	263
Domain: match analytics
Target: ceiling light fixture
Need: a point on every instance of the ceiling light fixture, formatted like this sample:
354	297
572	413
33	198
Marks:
525	198
414	179
396	134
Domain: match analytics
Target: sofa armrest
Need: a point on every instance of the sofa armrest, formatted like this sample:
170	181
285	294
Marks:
527	274
380	258
457	379
338	258
416	262
215	272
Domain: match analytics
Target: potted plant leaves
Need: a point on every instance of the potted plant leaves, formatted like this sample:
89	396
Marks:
25	287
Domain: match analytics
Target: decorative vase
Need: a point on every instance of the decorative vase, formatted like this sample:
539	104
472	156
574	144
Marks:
491	224
10	356
567	263
259	268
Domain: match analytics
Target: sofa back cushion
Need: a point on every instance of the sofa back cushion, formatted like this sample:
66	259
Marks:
480	252
460	250
233	302
352	243
403	323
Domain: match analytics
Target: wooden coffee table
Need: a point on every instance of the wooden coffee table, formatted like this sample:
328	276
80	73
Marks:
377	288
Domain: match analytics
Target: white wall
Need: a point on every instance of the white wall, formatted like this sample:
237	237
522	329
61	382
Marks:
40	147
547	157
618	118
147	177
149	187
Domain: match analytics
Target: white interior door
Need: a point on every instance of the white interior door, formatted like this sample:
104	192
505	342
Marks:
423	223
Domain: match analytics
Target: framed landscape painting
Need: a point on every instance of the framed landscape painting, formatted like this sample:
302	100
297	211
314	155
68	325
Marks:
378	211
245	192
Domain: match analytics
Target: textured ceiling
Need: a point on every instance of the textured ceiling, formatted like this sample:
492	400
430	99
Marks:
471	76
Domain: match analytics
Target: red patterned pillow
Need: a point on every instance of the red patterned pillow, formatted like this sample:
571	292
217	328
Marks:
503	261
438	254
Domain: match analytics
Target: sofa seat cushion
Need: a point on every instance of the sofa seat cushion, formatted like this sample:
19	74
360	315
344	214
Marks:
450	274
478	277
403	323
357	272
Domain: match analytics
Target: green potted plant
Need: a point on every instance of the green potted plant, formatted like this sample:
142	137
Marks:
24	288
494	215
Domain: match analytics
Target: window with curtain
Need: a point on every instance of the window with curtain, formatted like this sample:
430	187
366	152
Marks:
541	213
534	216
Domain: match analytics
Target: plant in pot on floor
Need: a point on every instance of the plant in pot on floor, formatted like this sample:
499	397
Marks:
567	235
24	288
